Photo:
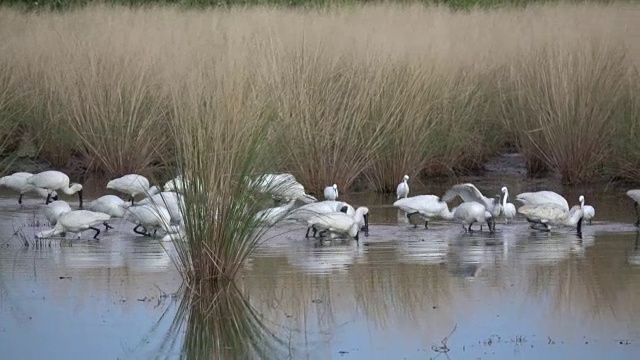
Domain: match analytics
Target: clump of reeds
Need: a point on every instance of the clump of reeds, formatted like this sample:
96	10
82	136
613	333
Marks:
9	114
564	104
218	123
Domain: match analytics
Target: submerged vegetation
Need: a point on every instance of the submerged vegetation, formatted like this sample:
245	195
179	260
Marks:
357	97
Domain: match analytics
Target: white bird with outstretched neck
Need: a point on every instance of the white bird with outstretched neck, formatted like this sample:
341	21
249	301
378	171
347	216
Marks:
552	214
76	221
402	191
282	187
18	183
424	206
341	223
307	211
331	192
508	209
469	193
472	212
52	181
132	185
172	201
54	209
589	211
273	215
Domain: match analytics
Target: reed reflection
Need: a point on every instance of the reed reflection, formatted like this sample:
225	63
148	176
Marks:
219	322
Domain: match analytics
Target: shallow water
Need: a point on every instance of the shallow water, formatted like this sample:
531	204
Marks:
396	294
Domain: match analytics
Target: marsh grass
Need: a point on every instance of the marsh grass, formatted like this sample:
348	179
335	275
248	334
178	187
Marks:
219	126
569	102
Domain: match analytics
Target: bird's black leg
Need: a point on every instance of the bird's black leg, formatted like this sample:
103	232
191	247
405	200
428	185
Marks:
96	230
132	204
107	226
426	224
20	199
135	230
154	232
470	227
637	214
315	231
307	235
48	198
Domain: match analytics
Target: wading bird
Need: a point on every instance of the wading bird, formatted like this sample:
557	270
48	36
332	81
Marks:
76	221
111	205
149	217
52	180
54	209
272	215
589	211
635	195
469	193
331	192
132	185
402	191
424	206
306	212
552	214
341	223
471	212
542	198
508	209
18	183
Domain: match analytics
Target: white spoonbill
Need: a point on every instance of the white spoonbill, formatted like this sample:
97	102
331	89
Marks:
341	223
76	221
553	214
402	191
508	209
282	187
306	212
54	209
427	206
18	183
589	211
331	192
52	180
468	193
272	215
110	204
471	212
132	185
635	195
149	217
172	201
542	198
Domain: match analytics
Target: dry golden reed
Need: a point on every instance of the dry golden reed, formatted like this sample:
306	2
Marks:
373	91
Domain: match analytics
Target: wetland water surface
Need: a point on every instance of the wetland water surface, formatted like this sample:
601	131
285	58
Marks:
398	294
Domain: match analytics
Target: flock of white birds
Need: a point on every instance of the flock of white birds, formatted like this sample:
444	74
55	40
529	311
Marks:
162	209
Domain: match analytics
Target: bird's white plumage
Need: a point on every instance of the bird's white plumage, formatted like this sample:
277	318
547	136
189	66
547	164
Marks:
18	183
634	194
151	217
75	221
552	214
53	210
542	198
283	187
110	204
130	184
429	206
52	180
305	212
339	222
589	211
177	184
469	193
331	192
172	201
508	209
471	212
402	191
272	215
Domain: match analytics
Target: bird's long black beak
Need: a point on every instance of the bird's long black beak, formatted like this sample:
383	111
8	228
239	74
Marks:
80	198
